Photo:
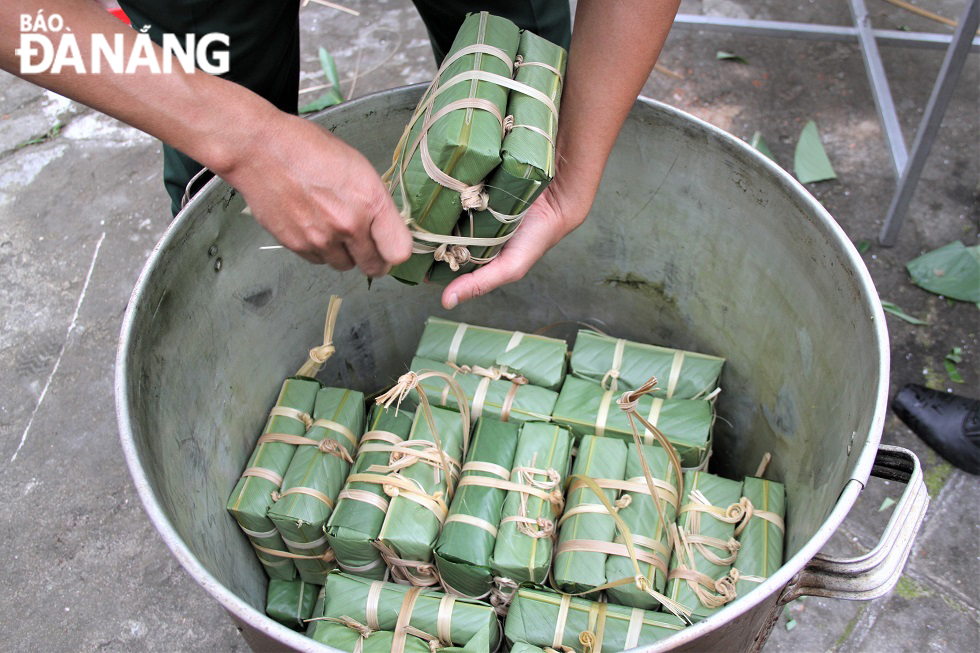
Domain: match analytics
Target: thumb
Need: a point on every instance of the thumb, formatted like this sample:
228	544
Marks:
481	281
390	234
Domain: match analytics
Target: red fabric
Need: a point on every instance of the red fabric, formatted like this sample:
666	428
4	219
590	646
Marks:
120	14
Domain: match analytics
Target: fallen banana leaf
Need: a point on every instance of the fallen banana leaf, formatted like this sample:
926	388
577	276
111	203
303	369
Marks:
952	270
721	55
810	162
893	309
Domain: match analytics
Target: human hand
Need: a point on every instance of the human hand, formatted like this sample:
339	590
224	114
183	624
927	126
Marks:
548	220
319	197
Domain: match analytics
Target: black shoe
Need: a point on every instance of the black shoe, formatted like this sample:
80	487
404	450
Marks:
948	423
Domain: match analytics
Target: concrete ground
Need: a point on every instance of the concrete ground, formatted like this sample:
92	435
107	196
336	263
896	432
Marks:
81	209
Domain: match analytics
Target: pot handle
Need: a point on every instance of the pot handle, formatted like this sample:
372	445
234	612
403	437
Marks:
875	573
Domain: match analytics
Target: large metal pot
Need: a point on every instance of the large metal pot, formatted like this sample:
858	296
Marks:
695	240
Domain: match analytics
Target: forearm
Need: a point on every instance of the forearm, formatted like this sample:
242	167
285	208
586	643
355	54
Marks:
614	48
199	114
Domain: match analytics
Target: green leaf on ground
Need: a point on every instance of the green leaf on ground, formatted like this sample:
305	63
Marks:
791	624
953	358
862	246
760	144
43	138
333	95
886	504
893	309
952	270
721	55
810	162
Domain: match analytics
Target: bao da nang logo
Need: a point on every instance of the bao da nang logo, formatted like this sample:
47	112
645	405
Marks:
48	45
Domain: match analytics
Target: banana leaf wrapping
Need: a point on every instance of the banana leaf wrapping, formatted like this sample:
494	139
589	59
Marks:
382	607
524	538
585	408
555	620
527	153
524	647
347	638
580	565
290	602
761	536
421	489
538	359
361	507
625	365
465	545
699	571
458	127
314	478
503	400
641	517
250	500
317	612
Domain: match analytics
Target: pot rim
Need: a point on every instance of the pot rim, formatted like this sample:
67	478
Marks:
233	604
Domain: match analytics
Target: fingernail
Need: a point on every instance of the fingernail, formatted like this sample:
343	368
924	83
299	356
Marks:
452	301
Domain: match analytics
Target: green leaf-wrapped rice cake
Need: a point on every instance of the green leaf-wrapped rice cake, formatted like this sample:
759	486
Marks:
356	639
503	399
453	139
291	602
379	607
317	612
650	533
539	359
465	545
527	152
420	477
760	537
585	408
555	620
586	525
250	500
626	365
314	478
704	547
524	538
362	506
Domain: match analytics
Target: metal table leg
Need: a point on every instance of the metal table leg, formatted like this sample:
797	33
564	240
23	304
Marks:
880	90
908	169
929	126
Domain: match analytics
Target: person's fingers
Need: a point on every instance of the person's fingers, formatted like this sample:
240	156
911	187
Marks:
390	234
338	257
481	281
366	256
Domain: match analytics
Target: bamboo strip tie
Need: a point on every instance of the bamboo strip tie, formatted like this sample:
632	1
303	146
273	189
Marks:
319	355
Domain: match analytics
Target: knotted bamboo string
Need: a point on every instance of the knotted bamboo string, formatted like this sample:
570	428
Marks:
320	354
628	404
480	394
493	373
710	592
410	381
362	631
326	445
639	580
527	485
404	454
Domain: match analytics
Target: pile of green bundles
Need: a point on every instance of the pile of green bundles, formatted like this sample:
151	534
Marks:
563	489
479	147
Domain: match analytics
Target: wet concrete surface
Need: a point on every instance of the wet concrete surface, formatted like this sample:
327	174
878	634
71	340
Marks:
81	209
